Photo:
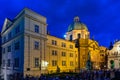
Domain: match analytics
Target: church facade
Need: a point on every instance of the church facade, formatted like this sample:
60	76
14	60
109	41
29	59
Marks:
114	56
27	49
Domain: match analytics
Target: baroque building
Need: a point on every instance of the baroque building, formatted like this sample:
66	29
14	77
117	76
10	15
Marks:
79	33
27	49
114	56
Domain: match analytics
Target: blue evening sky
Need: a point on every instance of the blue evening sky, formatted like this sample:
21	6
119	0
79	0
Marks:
102	17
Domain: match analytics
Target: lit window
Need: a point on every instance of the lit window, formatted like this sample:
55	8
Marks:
63	44
54	42
36	62
71	63
17	45
63	63
64	54
36	45
36	28
71	46
54	52
54	63
71	54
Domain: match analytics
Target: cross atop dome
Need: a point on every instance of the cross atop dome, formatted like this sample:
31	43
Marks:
76	19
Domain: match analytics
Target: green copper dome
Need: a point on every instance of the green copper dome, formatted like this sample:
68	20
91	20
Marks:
77	25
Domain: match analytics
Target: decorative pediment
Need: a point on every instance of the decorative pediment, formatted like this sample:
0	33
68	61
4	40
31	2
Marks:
93	44
6	24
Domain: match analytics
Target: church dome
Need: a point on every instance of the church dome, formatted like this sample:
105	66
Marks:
77	25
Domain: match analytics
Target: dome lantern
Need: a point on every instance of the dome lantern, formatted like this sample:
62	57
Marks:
76	19
77	25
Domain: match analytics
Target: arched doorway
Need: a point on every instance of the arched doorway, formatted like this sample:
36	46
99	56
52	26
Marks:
112	64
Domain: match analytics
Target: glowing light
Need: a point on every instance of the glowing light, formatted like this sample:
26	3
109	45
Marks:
64	36
44	65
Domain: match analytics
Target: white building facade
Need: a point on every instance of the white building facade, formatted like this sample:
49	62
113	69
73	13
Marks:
24	44
114	56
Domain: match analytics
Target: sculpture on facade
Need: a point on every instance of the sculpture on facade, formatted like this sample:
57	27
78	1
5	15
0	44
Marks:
89	63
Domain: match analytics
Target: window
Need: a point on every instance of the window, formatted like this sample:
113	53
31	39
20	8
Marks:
17	45
54	52
36	45
9	35
64	54
3	50
17	29
63	44
71	46
36	28
54	63
3	63
79	36
9	49
71	54
16	62
63	63
8	63
36	62
70	37
54	42
4	39
71	63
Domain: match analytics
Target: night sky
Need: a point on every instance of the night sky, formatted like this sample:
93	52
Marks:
102	17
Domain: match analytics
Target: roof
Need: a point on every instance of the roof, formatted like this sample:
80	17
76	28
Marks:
77	25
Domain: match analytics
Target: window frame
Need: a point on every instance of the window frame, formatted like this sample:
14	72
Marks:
36	62
17	45
36	45
54	62
63	63
36	29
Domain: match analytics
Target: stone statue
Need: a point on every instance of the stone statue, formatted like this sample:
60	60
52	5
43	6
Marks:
89	63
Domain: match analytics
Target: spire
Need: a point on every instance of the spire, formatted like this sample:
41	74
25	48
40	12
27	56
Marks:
76	19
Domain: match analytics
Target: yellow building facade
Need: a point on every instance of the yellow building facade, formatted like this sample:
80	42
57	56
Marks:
78	33
61	54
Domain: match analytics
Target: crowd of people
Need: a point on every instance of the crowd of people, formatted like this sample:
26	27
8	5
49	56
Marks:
83	75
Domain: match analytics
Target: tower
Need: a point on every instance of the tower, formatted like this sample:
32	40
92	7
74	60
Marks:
78	33
77	30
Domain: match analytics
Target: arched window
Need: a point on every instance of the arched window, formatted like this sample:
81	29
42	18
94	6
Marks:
70	37
79	36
